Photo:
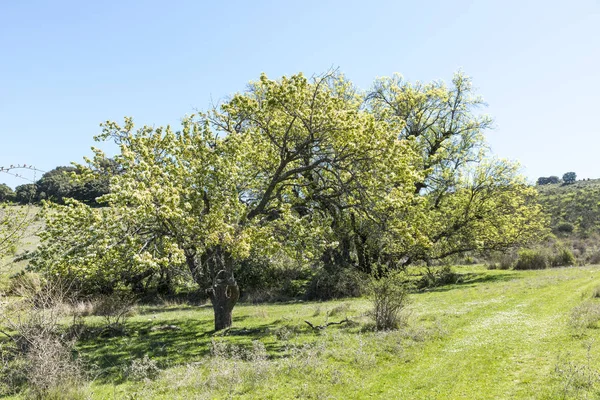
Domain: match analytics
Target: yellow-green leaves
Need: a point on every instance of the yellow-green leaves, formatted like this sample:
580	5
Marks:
299	167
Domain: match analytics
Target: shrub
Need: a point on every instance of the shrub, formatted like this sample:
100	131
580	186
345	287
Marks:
41	353
565	227
594	258
142	369
115	308
501	260
275	278
389	297
531	259
438	277
569	177
564	258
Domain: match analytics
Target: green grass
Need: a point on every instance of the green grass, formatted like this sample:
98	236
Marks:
497	335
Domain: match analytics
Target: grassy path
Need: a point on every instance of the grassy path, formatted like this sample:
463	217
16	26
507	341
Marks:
504	339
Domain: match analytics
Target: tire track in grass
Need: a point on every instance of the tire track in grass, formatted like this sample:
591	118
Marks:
495	349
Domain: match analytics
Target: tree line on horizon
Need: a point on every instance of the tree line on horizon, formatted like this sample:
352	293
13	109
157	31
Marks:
567	179
62	183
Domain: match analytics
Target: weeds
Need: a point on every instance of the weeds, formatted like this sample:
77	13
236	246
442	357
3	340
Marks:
578	379
41	354
586	315
142	369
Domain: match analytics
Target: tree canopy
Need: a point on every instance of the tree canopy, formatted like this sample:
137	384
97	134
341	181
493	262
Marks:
311	168
569	177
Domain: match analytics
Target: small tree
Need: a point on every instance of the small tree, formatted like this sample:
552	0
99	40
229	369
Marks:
6	193
569	177
542	180
25	194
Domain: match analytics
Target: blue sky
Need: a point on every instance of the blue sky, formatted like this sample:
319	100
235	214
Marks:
65	66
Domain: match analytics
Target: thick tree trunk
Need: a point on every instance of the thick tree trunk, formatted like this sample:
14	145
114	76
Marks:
224	294
217	264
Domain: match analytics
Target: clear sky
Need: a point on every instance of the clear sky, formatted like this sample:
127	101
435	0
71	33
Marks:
65	66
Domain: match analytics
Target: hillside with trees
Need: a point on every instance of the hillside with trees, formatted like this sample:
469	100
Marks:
573	207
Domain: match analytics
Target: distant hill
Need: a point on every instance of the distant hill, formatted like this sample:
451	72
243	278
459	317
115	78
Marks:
574	207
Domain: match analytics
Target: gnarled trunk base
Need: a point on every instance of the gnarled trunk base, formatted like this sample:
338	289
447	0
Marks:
224	294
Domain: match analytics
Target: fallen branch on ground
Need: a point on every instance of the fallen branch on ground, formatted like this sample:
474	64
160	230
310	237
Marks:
321	327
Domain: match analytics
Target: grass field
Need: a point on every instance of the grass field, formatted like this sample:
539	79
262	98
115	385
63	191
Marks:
498	335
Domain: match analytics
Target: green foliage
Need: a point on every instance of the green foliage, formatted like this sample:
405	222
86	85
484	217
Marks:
26	194
548	181
306	170
85	185
14	222
335	282
565	227
531	259
56	185
469	201
569	177
564	258
6	193
434	277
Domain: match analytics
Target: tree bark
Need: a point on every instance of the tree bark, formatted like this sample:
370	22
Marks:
216	263
224	294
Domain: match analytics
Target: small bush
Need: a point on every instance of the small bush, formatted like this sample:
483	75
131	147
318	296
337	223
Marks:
565	227
340	309
578	379
389	297
594	258
531	259
142	369
41	355
501	260
115	308
438	277
564	258
50	364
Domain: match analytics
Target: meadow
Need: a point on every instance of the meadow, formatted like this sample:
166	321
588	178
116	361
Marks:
498	334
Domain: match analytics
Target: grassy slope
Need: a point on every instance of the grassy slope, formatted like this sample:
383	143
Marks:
29	242
498	335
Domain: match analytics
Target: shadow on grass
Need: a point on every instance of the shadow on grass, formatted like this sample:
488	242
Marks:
190	341
156	309
472	279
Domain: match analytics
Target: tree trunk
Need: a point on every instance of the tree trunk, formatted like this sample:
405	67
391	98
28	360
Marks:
217	264
224	294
